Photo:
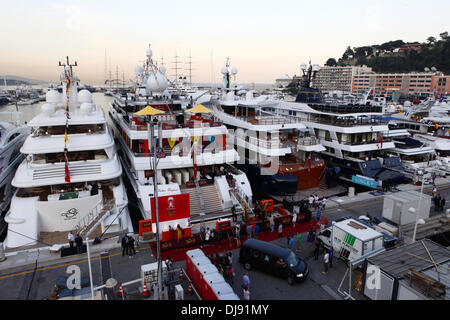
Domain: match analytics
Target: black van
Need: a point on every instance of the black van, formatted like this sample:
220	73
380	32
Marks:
271	258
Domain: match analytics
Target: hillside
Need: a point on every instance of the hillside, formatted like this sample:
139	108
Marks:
398	56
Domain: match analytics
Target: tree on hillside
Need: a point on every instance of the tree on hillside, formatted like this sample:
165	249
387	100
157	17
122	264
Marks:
431	40
444	35
348	52
331	62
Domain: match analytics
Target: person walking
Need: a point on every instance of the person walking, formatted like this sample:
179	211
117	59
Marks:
124	245
310	237
292	243
326	260
299	242
238	235
246	292
179	235
246	280
280	230
202	237
331	252
249	231
230	238
71	239
316	250
79	243
294	219
272	223
256	230
233	213
324	203
230	275
318	214
442	204
207	236
131	250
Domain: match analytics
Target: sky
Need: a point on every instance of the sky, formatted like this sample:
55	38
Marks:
264	40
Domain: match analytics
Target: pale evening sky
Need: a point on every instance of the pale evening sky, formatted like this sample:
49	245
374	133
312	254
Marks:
263	39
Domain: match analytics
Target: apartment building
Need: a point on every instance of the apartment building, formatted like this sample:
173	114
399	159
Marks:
406	83
338	78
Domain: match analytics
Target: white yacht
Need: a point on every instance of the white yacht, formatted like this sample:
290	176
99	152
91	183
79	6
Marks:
353	135
279	155
70	179
12	137
191	148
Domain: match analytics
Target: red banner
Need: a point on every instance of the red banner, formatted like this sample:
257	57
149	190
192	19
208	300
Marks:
172	207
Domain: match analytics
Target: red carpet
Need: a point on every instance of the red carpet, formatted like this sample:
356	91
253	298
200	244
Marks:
180	254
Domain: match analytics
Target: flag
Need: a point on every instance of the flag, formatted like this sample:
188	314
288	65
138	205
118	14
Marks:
194	164
66	166
66	138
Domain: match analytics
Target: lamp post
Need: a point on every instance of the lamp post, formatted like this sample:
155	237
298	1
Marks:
414	211
153	164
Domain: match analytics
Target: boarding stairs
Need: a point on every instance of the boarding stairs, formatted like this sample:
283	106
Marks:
203	199
92	220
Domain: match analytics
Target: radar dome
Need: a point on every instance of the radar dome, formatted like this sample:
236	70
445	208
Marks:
234	70
224	70
149	53
86	108
85	96
157	82
407	104
138	70
53	96
48	109
162	69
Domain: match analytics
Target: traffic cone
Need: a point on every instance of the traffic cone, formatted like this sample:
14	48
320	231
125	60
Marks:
181	274
120	290
190	291
144	290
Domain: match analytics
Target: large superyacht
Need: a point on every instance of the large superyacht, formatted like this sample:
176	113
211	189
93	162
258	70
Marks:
190	146
354	137
70	180
280	155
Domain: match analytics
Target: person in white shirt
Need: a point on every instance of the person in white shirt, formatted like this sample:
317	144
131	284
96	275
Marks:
311	201
207	235
71	239
294	218
326	260
324	203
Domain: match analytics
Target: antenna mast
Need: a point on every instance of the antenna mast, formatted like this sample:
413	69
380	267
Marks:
190	69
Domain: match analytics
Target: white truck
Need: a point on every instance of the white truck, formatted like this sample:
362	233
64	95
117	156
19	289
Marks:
351	239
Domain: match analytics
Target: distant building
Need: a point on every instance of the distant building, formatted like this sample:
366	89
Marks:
440	85
406	83
416	46
338	78
283	82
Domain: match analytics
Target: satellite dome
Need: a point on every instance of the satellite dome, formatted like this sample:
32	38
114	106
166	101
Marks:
157	82
149	53
407	104
85	96
53	96
86	108
138	70
224	70
48	109
234	70
229	96
162	69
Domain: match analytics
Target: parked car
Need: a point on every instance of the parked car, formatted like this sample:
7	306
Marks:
273	259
